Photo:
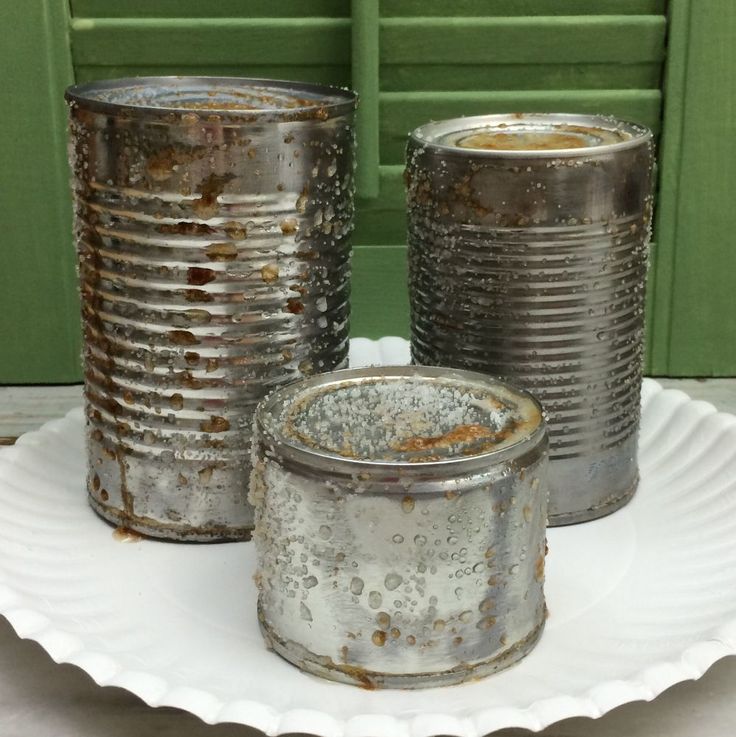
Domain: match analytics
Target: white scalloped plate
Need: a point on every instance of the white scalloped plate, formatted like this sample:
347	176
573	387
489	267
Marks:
638	601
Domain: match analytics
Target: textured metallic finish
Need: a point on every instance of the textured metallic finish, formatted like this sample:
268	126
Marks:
528	262
213	218
400	525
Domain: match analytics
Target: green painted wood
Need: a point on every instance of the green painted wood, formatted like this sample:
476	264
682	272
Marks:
517	40
660	282
698	194
489	56
39	327
425	77
337	75
365	81
216	9
403	111
383	220
520	7
379	300
237	41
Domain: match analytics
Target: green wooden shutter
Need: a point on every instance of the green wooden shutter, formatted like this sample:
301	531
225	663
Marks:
412	60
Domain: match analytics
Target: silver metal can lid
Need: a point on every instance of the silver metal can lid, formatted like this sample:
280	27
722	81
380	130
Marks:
404	417
234	97
531	134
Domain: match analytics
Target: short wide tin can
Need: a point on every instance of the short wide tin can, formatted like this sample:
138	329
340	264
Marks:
528	241
400	525
213	218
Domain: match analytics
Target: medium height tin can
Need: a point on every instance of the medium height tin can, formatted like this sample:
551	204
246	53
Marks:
213	218
400	525
528	241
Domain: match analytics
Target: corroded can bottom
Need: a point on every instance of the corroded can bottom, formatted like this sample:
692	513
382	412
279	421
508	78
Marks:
160	530
610	505
593	485
325	667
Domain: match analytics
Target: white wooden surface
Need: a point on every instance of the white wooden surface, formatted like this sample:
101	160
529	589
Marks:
40	698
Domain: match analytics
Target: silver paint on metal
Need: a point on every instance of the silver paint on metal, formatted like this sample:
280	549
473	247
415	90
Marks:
213	218
400	525
528	238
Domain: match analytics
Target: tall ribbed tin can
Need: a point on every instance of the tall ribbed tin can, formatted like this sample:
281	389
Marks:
400	525
528	241
213	218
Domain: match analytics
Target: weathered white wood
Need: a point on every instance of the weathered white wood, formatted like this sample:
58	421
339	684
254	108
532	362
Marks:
24	408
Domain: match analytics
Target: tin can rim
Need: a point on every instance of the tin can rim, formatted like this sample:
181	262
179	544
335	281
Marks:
323	459
329	101
429	135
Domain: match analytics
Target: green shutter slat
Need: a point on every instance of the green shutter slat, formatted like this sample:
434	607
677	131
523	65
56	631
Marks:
161	41
365	80
698	175
379	298
520	7
401	112
644	75
214	9
383	220
39	327
551	39
659	287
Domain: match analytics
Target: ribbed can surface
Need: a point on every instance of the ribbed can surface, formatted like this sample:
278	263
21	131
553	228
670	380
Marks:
528	239
213	218
400	525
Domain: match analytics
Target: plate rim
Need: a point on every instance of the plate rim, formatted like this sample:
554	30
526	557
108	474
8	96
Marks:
64	647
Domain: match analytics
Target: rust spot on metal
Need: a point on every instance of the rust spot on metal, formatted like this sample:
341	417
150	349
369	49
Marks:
295	306
459	434
235	230
221	252
176	401
185	227
539	569
198	295
198	316
301	201
522	141
186	379
191	357
210	188
270	273
124	491
288	226
214	424
379	638
126	535
198	276
182	337
160	165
